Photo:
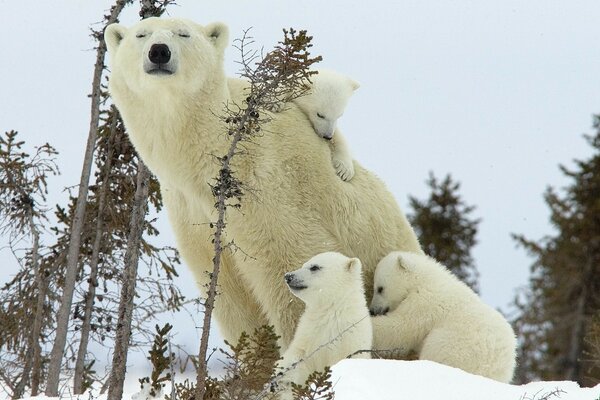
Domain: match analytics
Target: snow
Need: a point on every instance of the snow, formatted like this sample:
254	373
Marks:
414	380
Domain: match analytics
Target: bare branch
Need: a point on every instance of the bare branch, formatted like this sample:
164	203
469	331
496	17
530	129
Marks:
281	74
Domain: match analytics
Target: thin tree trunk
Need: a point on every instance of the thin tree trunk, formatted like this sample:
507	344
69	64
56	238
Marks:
576	341
64	311
123	331
573	362
36	329
33	345
209	304
91	293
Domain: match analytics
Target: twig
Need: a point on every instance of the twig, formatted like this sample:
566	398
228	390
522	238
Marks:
378	353
546	396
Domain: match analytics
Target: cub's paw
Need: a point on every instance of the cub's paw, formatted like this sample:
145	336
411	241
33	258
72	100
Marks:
344	168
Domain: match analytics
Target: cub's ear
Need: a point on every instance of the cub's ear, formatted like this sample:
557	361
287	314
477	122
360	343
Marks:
402	264
218	34
353	84
353	265
113	34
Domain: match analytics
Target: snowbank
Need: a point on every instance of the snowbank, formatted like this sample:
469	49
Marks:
413	380
416	380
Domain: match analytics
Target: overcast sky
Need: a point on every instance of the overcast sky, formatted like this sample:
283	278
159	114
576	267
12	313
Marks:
497	93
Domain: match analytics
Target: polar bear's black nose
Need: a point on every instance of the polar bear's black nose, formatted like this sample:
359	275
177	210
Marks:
159	53
289	277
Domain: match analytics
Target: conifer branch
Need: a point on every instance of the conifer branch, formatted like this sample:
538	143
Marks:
283	72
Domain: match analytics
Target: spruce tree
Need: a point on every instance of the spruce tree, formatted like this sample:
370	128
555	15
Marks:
557	308
78	221
23	215
446	229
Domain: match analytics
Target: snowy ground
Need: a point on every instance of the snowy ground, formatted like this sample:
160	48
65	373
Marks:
419	380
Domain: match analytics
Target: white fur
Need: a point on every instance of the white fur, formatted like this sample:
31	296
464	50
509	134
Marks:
297	206
335	322
327	100
324	105
431	312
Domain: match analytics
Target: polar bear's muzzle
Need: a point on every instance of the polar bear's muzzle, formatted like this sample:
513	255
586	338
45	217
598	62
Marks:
159	61
293	282
376	310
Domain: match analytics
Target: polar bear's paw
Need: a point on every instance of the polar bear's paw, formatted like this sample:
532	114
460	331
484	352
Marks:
344	168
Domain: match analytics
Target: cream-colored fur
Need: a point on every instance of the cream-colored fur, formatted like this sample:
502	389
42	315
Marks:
335	322
297	206
324	105
429	311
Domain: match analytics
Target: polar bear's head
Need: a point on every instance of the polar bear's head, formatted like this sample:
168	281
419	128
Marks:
325	276
164	54
395	278
327	100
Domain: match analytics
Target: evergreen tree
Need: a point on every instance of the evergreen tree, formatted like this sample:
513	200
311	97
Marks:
445	228
23	190
280	74
112	237
78	221
556	310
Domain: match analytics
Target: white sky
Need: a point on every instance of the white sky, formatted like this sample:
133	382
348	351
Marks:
497	93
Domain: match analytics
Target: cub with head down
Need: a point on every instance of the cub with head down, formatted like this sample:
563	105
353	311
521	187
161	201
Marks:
335	322
168	81
324	104
420	306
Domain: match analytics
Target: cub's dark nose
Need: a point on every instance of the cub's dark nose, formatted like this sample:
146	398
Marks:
288	277
159	53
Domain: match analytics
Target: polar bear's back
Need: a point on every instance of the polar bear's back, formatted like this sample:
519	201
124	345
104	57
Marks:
304	208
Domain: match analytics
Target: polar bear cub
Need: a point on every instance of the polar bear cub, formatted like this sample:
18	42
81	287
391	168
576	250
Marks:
323	105
335	322
429	311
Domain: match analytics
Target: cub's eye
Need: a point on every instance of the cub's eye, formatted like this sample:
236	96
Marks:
315	268
184	35
320	116
380	289
140	35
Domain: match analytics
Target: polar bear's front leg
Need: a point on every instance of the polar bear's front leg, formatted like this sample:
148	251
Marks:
399	332
340	156
289	372
236	309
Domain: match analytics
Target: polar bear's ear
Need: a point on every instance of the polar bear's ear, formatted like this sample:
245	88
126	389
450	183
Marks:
353	84
218	34
353	265
402	264
113	34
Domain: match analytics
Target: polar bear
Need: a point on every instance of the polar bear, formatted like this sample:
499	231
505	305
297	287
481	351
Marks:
324	104
335	322
168	81
429	311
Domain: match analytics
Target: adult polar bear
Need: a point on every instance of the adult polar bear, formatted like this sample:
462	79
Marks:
168	81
